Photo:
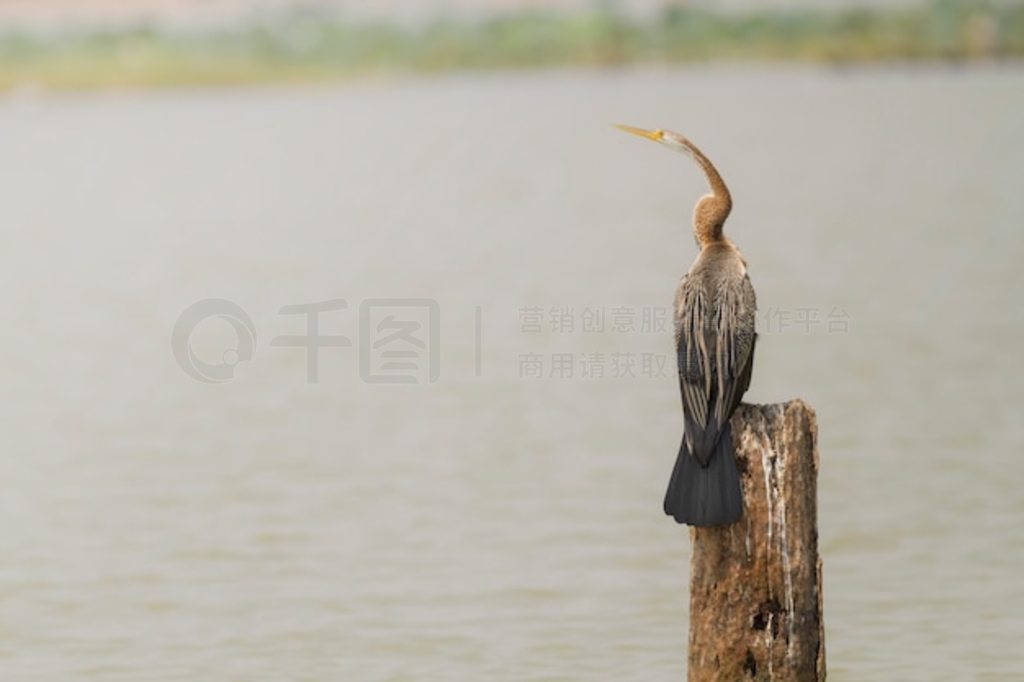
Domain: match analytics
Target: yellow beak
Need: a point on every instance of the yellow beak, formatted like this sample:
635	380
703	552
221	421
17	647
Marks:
655	135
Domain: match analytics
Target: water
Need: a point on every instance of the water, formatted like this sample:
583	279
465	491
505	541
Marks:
493	526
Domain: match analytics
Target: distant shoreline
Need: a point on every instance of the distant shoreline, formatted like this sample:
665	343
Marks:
308	46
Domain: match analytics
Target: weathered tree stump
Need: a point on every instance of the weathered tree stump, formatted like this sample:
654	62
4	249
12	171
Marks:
755	586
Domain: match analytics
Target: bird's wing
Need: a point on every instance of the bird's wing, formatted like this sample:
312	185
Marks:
715	348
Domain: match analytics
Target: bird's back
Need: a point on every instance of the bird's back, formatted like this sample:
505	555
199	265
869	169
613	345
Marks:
715	350
715	329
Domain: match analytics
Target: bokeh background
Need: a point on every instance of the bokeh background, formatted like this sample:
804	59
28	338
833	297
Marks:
502	521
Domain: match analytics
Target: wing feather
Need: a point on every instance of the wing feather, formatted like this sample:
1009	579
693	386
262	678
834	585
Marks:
715	336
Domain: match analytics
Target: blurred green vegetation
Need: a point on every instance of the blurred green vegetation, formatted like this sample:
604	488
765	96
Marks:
304	45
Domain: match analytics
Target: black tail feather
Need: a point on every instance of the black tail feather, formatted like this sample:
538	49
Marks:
706	495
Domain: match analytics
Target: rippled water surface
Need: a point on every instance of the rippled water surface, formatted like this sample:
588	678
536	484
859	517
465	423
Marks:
491	525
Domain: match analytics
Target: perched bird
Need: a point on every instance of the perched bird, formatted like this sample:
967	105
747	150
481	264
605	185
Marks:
714	331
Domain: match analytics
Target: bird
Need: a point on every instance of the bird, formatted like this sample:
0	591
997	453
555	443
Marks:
715	335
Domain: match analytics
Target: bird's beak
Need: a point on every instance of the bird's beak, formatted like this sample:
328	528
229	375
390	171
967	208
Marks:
656	135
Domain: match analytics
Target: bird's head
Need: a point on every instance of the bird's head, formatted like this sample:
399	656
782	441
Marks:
665	137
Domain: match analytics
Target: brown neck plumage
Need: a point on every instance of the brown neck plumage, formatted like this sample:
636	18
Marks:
712	209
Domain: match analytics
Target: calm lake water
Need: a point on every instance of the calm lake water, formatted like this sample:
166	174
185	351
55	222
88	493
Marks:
493	525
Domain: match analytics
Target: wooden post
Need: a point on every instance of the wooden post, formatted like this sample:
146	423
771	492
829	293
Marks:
755	586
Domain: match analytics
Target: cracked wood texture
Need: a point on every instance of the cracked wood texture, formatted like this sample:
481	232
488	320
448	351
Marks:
755	586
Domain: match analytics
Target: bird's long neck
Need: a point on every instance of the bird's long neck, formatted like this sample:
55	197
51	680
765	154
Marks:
712	209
